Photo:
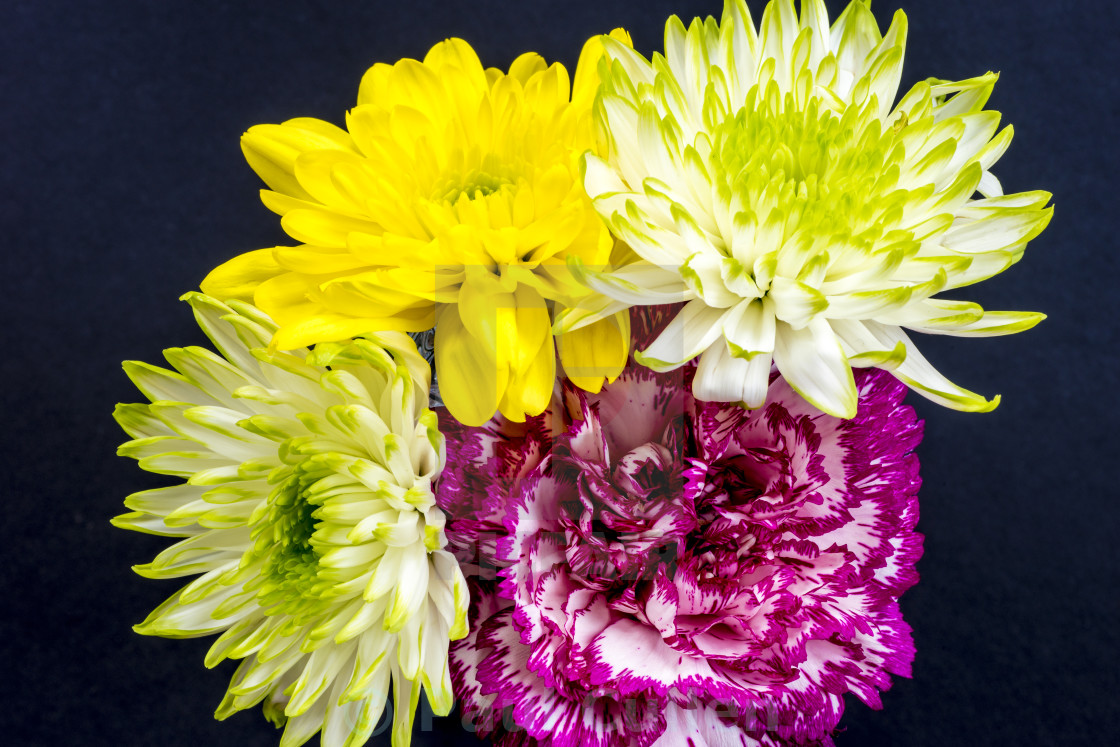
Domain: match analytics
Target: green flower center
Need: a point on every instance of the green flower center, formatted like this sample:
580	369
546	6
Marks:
283	539
805	167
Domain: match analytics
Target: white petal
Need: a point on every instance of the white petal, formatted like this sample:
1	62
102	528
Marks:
887	66
651	242
636	284
346	723
915	370
411	588
301	728
980	127
866	304
318	675
796	303
690	332
703	273
999	231
853	36
233	335
961	319
814	16
814	364
600	179
989	185
722	377
637	67
739	44
962	97
749	328
936	315
776	33
588	311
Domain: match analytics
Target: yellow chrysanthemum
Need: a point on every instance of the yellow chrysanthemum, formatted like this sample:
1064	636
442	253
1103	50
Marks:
453	199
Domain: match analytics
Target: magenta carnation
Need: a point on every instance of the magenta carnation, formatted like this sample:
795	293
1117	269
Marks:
651	569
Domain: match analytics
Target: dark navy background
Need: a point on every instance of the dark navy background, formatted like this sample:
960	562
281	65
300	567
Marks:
123	183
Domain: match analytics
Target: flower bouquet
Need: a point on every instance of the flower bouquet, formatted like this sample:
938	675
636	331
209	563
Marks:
665	492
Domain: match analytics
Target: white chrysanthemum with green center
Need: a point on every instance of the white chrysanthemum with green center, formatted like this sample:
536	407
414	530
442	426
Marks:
308	510
766	180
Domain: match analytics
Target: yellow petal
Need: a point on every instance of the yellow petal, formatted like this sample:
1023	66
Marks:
526	66
323	130
366	295
456	54
469	380
432	284
586	83
328	327
316	260
548	90
285	298
272	150
550	189
523	330
596	352
416	85
325	227
375	84
530	392
315	171
239	277
480	299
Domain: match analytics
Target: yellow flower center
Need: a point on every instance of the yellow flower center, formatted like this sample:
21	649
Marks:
473	185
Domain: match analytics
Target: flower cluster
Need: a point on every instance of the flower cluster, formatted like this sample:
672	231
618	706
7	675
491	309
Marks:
664	569
670	500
